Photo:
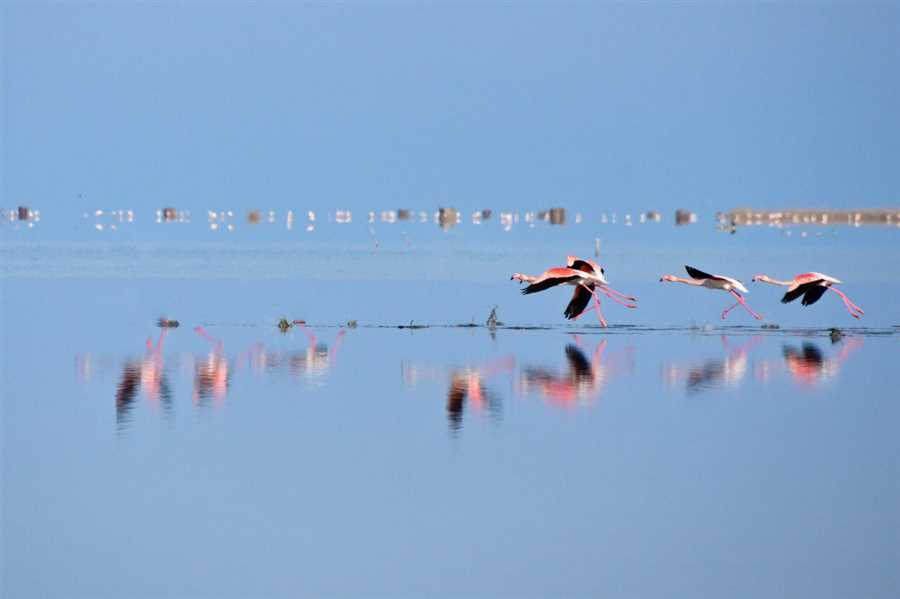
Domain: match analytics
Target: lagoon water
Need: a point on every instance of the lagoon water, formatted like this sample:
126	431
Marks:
422	453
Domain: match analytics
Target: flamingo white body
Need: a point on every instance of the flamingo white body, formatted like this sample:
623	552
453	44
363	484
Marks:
720	282
586	276
811	286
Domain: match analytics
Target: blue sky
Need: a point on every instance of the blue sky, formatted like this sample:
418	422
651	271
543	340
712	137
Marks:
589	106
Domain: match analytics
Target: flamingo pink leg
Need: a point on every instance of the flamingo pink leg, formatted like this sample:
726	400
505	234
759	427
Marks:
596	306
630	298
743	303
729	309
615	299
850	305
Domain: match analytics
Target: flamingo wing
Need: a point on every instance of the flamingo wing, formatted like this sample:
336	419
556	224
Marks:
802	290
813	294
547	283
578	363
582	265
698	274
579	302
456	398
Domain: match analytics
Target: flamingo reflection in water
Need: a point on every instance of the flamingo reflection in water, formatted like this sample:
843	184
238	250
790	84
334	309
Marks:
318	358
467	387
810	368
714	372
212	374
147	374
582	381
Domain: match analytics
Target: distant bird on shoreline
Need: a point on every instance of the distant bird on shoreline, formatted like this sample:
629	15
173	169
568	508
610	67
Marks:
586	276
702	279
811	286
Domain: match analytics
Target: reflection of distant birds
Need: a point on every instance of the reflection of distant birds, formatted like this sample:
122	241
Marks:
811	286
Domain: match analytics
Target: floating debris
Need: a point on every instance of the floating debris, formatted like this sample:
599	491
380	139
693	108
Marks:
284	326
403	214
299	322
254	217
167	323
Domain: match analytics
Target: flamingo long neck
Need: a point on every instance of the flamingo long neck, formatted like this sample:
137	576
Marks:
772	281
687	281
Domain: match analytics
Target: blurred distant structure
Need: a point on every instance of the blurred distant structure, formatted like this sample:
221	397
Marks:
554	216
111	220
684	217
748	217
448	218
21	216
651	216
223	219
480	216
172	215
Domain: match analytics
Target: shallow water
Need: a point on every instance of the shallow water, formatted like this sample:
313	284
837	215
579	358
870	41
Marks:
423	452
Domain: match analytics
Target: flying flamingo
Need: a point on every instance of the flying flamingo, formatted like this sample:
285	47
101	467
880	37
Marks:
702	279
586	276
812	286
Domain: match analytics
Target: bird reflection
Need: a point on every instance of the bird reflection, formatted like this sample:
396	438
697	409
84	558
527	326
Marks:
318	358
147	374
714	372
583	379
467	388
809	367
212	373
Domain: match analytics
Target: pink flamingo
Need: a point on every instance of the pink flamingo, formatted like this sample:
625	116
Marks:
812	286
702	279
586	276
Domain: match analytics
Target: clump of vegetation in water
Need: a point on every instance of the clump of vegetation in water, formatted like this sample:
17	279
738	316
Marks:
284	326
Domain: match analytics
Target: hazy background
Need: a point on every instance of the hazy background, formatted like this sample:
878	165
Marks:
363	106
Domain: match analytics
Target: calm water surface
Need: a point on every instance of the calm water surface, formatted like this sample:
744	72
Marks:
668	455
